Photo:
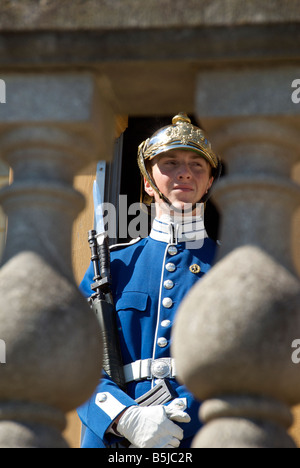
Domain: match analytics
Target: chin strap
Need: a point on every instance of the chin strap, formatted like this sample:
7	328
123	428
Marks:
217	176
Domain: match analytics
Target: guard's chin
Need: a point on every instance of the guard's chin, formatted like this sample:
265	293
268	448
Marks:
187	209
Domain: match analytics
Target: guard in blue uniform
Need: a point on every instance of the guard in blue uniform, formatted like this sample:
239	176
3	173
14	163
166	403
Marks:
150	277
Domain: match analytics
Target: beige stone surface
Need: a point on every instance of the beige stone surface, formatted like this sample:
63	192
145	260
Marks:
107	14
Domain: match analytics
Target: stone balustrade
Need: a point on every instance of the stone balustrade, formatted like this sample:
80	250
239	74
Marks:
242	318
53	343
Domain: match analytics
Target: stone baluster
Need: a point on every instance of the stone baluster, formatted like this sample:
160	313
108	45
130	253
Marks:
4	179
242	318
52	127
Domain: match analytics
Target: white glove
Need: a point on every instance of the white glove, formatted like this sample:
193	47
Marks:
151	427
177	415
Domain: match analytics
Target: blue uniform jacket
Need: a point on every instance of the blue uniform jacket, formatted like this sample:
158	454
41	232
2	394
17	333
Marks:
150	278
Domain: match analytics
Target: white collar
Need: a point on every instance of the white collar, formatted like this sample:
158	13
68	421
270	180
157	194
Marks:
178	229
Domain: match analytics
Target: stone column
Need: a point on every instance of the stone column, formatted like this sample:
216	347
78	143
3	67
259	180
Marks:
53	125
4	178
242	318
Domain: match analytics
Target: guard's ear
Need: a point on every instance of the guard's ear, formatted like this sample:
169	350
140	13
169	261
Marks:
148	188
210	182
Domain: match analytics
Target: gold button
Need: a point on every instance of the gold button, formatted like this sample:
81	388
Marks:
195	268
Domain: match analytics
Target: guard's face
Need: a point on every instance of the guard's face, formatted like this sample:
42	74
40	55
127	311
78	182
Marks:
182	176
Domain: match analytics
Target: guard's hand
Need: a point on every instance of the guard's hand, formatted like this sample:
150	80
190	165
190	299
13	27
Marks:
176	414
149	427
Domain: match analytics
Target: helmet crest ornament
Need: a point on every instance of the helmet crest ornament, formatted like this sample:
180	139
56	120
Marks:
181	134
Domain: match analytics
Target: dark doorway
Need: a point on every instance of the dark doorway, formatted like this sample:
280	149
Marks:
138	130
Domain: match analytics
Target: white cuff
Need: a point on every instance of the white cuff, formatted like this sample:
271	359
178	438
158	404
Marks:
109	404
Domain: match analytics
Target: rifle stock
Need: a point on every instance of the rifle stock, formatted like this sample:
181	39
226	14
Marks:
112	358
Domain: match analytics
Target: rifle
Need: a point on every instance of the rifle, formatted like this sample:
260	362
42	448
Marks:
102	304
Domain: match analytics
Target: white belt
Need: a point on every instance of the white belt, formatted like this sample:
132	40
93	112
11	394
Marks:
150	368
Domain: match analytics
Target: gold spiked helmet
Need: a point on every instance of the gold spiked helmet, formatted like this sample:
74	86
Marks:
180	135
